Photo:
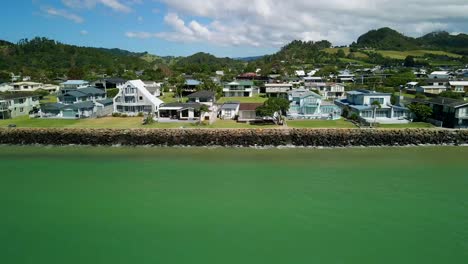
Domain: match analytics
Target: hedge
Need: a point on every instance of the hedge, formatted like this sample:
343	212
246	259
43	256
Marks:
233	137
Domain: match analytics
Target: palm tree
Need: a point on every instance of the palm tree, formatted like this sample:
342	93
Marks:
203	109
376	105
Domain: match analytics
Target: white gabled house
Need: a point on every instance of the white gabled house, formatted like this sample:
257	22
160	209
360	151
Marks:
133	98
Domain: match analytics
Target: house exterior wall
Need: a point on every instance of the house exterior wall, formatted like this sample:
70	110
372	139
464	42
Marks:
130	100
247	115
21	106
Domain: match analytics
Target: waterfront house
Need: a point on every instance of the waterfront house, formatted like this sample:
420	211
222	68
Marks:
180	111
447	112
278	89
134	98
18	104
229	110
332	91
81	95
360	103
247	112
241	88
305	104
345	76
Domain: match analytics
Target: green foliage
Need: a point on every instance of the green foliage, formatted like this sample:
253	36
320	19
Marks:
421	111
273	105
326	71
341	53
409	61
451	94
420	96
400	78
207	63
75	73
45	59
111	93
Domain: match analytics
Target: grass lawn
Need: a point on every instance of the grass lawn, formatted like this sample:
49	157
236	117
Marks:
254	99
115	205
49	99
341	123
169	98
117	122
410	125
416	53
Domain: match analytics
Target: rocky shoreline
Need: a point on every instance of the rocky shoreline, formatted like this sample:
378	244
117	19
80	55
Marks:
233	137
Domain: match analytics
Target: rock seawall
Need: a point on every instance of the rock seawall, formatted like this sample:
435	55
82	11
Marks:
233	137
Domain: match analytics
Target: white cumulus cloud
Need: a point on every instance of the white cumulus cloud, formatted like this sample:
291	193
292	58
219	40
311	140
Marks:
64	14
276	22
115	5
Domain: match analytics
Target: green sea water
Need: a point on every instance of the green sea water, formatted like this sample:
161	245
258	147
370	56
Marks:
192	205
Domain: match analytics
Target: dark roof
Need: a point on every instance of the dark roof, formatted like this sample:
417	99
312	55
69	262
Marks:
52	107
106	102
76	94
91	90
17	95
195	106
115	80
82	105
202	94
442	101
249	106
437	80
230	106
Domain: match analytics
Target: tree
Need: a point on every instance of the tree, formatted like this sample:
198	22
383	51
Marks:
451	94
341	53
420	96
203	110
75	73
376	105
111	93
273	105
409	61
421	111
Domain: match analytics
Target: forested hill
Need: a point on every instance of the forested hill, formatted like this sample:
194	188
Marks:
389	39
45	58
206	63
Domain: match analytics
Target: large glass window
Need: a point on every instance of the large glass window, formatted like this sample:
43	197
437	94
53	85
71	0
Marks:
366	114
380	100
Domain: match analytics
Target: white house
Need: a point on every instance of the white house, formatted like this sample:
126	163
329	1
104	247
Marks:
360	102
300	73
278	89
459	86
247	112
4	87
229	110
305	104
17	104
240	88
431	89
27	86
134	98
332	91
439	75
345	76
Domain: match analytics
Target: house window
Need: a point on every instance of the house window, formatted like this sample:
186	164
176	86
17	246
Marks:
366	114
141	98
380	100
21	109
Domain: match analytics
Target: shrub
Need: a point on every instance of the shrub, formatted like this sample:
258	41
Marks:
116	114
141	114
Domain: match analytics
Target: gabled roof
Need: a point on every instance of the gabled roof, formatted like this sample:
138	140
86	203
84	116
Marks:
230	106
202	94
82	105
52	107
180	106
141	87
91	91
249	106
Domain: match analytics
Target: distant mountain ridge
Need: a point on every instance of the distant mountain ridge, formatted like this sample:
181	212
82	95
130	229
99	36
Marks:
390	39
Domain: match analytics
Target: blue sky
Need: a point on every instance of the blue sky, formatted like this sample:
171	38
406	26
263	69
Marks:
234	28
